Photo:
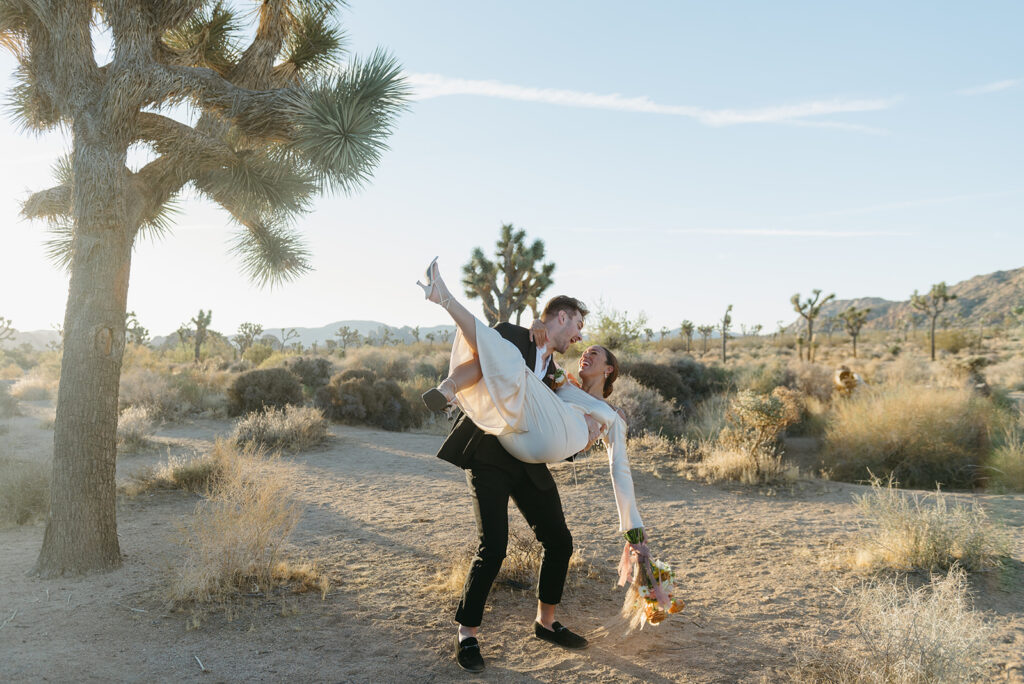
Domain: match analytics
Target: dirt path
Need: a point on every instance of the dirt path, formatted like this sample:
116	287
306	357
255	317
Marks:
383	516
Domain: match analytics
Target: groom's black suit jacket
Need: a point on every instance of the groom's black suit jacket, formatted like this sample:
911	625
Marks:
468	445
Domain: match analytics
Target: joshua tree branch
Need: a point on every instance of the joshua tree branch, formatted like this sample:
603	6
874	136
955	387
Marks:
48	204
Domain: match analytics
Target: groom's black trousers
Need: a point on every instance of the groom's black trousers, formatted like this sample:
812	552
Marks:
491	488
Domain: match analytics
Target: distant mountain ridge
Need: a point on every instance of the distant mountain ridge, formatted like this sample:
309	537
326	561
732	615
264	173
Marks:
981	300
39	339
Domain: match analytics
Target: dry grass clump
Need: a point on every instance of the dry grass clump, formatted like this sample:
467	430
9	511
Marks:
196	474
912	531
135	426
11	371
235	540
8	404
1006	462
24	491
174	392
921	436
748	449
293	428
33	388
709	419
1008	374
519	570
907	636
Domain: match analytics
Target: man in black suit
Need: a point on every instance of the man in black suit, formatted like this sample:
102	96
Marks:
494	476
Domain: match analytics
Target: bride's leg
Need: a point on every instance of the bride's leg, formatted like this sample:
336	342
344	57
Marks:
464	376
465	320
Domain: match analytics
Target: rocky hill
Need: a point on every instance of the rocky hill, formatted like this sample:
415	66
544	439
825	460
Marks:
982	300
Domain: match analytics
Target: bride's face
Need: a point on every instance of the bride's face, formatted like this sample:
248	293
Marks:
594	363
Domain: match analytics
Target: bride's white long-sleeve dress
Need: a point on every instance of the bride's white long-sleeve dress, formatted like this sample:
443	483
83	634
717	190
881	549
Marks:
537	425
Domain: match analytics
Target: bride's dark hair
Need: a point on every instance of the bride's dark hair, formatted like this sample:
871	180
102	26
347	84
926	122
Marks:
609	379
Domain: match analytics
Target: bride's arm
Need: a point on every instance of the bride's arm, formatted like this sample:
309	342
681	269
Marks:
622	478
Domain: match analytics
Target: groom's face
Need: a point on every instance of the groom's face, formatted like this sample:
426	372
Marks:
567	330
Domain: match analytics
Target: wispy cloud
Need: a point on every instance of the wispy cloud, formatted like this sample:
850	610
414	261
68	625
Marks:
994	87
428	86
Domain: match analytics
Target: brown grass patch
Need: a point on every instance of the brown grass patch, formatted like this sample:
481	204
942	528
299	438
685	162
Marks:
135	426
911	531
234	544
24	491
293	428
907	636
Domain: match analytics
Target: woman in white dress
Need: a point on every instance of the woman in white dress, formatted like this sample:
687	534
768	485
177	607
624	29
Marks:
492	384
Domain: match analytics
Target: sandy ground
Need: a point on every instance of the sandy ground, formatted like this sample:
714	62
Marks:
383	517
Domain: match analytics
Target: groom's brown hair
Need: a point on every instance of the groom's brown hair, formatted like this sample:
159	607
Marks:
563	303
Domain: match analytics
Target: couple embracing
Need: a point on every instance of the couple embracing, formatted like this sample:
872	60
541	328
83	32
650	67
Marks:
516	414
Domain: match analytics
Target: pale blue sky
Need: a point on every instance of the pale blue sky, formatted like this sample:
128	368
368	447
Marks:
675	157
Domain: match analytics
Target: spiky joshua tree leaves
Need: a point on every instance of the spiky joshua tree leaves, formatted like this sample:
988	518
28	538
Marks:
932	305
809	310
686	332
515	280
275	123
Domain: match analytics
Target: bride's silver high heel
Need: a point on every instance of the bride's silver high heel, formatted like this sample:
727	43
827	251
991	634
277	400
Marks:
444	298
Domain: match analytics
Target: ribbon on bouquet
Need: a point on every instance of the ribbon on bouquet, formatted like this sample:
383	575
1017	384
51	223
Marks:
638	557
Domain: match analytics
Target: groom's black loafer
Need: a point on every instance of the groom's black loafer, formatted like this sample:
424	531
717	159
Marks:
559	635
467	654
435	400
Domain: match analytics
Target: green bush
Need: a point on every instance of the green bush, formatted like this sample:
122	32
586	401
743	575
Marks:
314	372
360	396
258	353
951	341
259	389
685	381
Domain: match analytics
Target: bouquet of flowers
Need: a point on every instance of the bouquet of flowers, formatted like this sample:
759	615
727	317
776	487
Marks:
649	597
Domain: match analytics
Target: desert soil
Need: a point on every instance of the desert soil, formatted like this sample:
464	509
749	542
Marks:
384	519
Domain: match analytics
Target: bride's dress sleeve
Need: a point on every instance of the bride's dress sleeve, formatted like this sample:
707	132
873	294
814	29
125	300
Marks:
622	479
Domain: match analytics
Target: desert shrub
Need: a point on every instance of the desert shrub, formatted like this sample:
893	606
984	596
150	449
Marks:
259	389
907	636
147	388
24	491
1008	374
134	428
293	428
8	404
762	378
11	371
32	387
708	420
1005	469
913	531
748	449
235	540
681	380
645	408
196	474
917	435
258	353
386	364
814	380
359	396
202	389
952	341
314	372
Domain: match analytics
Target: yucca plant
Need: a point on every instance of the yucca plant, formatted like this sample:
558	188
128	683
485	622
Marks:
276	122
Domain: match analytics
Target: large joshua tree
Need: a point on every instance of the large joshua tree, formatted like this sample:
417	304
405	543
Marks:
932	305
515	280
275	122
809	310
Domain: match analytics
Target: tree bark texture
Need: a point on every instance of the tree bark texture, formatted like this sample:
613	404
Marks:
81	529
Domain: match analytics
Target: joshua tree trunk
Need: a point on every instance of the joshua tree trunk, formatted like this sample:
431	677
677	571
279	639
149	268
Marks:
810	340
935	320
854	346
81	530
